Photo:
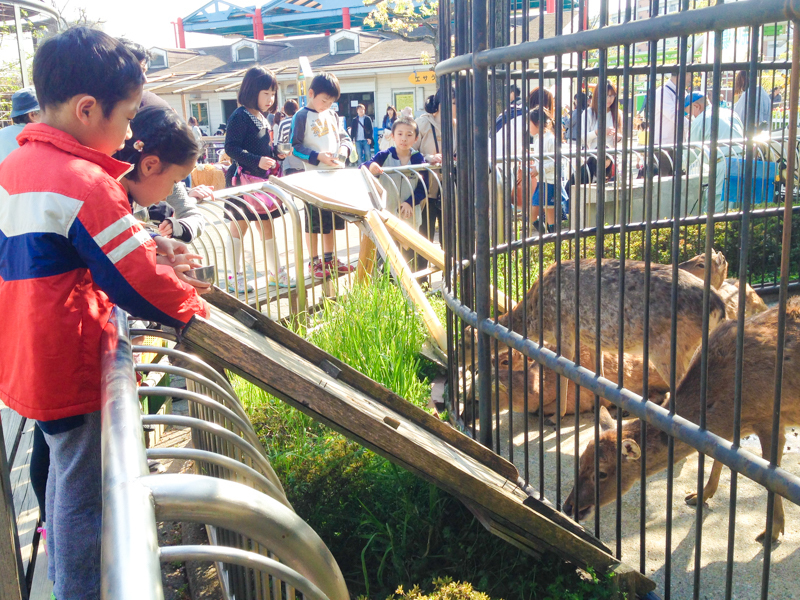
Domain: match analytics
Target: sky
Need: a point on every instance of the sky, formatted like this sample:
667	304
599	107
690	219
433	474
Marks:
147	22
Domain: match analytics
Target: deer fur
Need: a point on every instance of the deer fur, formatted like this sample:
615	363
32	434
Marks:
758	391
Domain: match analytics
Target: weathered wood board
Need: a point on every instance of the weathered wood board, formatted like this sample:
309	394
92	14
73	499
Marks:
342	190
304	376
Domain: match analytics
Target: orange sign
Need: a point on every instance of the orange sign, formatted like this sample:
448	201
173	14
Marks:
422	77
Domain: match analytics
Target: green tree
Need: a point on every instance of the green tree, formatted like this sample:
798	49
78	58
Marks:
404	20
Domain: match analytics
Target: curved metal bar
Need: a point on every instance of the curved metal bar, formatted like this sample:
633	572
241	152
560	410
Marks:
129	526
164	335
226	462
243	424
239	508
233	402
39	7
213	428
244	558
195	362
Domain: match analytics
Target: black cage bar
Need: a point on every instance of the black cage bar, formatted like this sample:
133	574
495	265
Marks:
653	143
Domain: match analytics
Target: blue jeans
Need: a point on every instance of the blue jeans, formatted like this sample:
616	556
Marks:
364	154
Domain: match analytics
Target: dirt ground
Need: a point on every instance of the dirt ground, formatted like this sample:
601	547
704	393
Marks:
750	516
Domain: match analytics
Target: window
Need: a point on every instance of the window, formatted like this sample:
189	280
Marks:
200	112
158	59
245	53
345	46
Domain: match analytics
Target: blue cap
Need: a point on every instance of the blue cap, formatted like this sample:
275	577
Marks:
23	101
692	98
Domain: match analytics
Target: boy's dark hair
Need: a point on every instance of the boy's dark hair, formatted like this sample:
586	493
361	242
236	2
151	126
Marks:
290	107
406	121
541	117
256	80
580	101
22	119
140	52
517	92
162	133
326	83
85	61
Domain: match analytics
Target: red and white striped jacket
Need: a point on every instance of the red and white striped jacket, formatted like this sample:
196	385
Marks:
69	250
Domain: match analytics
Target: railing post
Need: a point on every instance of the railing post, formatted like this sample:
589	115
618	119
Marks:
12	576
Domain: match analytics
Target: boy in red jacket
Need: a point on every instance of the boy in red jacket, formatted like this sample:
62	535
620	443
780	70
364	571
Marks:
69	251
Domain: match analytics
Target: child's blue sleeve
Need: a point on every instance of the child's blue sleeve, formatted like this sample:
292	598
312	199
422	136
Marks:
299	149
378	159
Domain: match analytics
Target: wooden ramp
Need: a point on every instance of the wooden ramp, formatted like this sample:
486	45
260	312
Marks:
251	345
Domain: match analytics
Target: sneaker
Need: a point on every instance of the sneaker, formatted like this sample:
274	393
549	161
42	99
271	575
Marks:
282	280
340	267
318	269
239	286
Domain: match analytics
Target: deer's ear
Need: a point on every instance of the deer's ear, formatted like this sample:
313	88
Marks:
607	422
631	450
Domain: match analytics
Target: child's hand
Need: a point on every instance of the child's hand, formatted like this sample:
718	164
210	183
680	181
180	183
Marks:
201	287
406	212
435	159
326	158
169	248
266	163
165	228
375	169
202	192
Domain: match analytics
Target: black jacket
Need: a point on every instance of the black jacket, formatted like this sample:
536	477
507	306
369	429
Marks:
246	143
353	129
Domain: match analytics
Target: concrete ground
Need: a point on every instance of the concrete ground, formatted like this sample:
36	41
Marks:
750	516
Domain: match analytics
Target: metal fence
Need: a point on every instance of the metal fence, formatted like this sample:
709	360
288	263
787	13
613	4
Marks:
635	196
261	547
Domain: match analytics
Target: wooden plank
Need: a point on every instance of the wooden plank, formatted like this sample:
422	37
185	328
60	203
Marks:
26	506
275	368
12	575
406	278
341	190
41	586
12	430
404	233
366	259
348	375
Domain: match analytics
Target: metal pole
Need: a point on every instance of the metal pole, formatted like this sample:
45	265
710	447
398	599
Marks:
129	519
23	64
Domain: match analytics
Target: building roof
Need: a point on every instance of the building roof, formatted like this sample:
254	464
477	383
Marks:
213	68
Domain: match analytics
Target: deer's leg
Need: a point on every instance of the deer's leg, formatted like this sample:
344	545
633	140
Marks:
711	487
765	437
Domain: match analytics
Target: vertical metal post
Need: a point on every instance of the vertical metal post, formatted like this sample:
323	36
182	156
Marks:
12	576
23	64
480	129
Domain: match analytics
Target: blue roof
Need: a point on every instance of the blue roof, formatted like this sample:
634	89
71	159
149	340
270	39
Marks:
287	17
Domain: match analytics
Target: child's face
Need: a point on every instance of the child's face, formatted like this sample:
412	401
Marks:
534	128
404	137
156	180
266	98
320	102
82	116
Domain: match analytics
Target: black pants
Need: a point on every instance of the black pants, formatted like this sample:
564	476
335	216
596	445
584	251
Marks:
40	465
431	214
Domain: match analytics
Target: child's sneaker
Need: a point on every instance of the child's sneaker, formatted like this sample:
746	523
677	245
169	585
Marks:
282	280
339	267
318	269
238	287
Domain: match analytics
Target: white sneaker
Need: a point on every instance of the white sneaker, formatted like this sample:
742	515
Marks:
239	287
282	280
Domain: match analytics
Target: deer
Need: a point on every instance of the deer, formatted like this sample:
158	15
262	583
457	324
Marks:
758	391
689	312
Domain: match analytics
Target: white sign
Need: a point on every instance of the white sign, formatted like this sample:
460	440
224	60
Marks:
353	103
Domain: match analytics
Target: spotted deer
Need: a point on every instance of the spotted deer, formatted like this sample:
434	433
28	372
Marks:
758	391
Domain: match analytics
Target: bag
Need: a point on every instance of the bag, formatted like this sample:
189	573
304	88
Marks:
385	142
269	201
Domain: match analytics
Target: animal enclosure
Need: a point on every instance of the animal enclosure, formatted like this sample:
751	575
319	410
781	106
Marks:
622	176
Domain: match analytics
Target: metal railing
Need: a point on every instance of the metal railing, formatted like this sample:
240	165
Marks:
261	547
490	49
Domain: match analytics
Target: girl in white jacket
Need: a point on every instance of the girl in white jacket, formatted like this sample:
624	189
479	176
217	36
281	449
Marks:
545	169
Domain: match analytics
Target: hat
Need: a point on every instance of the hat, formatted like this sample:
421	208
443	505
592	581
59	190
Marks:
692	98
23	101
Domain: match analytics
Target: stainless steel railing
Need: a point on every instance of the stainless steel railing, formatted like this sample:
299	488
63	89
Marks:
261	547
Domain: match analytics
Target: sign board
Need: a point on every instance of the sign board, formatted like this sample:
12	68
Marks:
422	77
403	99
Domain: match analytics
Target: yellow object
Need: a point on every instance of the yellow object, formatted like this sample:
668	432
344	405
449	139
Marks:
422	77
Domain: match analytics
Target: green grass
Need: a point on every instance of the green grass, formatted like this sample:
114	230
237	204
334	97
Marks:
386	527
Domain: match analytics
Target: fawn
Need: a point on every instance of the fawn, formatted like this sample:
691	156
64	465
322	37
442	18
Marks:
760	347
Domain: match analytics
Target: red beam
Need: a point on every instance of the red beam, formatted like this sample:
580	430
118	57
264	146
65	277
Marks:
181	34
345	17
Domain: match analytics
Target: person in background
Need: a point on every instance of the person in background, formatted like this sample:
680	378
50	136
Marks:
741	86
196	131
578	113
429	143
276	122
223	127
24	110
667	113
515	94
776	95
407	112
319	140
542	127
512	123
291	164
248	142
89	87
386	135
730	128
143	56
361	133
